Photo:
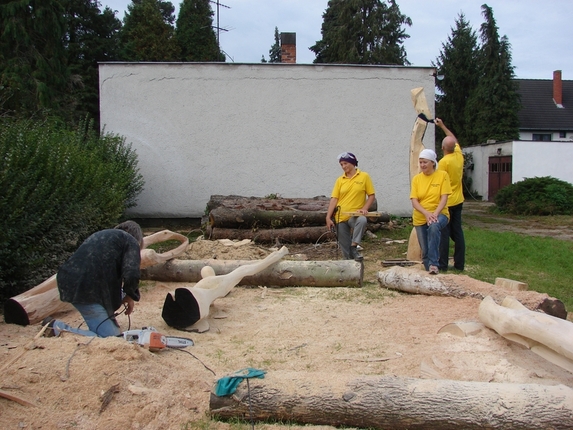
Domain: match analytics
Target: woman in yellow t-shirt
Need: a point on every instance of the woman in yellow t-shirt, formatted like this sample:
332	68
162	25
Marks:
429	196
352	192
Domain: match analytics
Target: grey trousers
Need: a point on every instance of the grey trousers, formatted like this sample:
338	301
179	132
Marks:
350	231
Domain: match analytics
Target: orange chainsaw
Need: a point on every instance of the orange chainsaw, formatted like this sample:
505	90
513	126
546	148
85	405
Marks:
150	338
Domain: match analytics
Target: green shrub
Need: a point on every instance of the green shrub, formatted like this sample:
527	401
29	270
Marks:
56	188
536	196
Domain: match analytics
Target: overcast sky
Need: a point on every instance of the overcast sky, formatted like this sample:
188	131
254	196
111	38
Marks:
540	32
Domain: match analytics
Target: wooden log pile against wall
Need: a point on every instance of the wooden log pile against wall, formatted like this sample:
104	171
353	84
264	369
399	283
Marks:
271	219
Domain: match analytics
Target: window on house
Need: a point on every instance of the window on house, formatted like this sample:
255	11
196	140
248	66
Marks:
539	137
562	134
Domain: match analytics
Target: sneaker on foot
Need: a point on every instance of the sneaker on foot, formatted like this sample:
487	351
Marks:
355	254
434	270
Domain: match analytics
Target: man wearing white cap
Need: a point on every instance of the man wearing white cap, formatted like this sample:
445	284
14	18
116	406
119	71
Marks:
429	196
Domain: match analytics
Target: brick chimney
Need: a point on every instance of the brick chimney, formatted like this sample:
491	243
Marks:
557	88
288	48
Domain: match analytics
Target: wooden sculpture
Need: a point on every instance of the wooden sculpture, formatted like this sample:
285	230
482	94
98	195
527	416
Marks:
186	306
546	335
414	252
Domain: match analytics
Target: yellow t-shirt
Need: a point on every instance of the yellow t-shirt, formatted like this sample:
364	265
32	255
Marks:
351	193
453	164
428	189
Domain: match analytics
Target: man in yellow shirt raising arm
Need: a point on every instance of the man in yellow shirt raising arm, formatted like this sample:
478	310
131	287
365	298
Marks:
453	163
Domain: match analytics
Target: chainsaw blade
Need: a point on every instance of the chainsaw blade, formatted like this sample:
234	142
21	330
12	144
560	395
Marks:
178	342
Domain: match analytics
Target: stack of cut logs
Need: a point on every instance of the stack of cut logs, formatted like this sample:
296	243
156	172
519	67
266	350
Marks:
273	219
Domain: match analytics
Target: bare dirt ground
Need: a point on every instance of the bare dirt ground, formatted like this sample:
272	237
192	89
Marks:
350	331
558	227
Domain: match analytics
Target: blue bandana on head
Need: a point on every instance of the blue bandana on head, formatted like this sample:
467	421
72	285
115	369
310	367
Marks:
349	157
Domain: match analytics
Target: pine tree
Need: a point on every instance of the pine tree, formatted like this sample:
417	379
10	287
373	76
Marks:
493	106
458	64
33	70
148	33
275	51
91	36
195	36
362	32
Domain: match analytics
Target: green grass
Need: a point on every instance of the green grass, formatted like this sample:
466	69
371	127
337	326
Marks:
543	263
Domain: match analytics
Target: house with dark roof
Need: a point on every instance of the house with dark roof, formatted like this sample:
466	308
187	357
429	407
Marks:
547	109
545	145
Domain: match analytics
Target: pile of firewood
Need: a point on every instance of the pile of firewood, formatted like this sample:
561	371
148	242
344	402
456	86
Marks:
272	219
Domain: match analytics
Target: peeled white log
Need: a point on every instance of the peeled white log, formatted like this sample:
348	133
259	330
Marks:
397	403
34	305
547	336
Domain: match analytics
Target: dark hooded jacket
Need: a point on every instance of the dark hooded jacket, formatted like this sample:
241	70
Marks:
106	264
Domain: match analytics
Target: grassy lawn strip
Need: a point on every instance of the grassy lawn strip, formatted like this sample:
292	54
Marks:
543	263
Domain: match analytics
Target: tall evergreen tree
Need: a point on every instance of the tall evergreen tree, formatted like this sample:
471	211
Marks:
195	36
148	33
362	32
91	36
458	64
275	51
493	106
33	68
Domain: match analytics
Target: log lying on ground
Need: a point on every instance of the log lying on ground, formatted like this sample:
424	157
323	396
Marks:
283	235
338	273
417	282
397	403
547	336
33	305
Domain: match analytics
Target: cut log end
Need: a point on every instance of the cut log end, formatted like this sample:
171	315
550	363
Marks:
182	311
14	313
553	307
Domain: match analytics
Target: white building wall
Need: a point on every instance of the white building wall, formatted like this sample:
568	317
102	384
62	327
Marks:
260	129
480	172
531	159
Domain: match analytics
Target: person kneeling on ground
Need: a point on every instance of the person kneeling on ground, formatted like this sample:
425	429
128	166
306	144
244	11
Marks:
100	277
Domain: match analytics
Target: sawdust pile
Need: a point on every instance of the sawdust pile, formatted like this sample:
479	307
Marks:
315	331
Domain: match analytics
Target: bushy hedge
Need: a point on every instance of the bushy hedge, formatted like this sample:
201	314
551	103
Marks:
536	196
56	188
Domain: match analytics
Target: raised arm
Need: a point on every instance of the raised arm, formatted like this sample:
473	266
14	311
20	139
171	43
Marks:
445	129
